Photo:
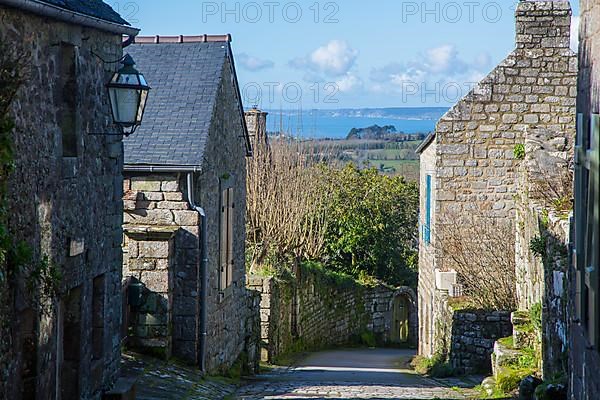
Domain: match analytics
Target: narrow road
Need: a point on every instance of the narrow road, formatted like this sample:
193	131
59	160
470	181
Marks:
353	374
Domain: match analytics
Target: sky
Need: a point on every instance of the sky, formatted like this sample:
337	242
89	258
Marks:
347	53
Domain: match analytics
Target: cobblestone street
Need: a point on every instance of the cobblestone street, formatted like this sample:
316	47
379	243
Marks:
354	374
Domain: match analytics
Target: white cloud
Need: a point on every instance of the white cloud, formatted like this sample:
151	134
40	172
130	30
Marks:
575	34
437	69
253	63
348	82
335	58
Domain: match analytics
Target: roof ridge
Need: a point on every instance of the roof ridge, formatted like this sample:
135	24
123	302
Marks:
156	39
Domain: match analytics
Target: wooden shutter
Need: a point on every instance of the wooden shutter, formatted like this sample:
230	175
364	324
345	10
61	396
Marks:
230	256
226	262
586	217
223	263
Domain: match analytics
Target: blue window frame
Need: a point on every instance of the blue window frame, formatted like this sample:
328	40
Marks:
427	224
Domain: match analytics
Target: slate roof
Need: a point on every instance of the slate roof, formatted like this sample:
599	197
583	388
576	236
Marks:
92	8
185	79
425	143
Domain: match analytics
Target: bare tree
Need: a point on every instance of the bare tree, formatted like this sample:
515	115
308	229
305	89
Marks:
286	199
482	251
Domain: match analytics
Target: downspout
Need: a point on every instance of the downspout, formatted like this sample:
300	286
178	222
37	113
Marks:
203	271
127	42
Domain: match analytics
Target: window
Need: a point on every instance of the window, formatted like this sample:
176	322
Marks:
586	216
226	226
427	223
67	100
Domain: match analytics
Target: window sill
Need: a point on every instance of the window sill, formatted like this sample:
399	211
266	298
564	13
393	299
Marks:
225	293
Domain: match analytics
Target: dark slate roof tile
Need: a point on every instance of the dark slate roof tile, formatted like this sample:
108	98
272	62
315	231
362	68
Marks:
93	8
180	104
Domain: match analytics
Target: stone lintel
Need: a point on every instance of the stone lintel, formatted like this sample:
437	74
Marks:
148	233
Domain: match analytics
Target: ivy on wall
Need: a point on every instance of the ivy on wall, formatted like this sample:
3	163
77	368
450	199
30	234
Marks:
12	75
43	277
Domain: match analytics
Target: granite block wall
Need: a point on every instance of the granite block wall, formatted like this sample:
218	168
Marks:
546	171
476	172
312	312
467	336
160	201
65	203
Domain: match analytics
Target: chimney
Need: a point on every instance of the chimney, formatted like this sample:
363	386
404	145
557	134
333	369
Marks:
543	24
256	121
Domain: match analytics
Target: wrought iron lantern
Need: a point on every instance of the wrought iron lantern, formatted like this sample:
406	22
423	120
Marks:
128	92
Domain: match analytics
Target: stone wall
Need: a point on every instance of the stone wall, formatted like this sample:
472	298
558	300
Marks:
541	275
583	357
533	89
161	250
150	261
467	336
65	202
159	201
313	311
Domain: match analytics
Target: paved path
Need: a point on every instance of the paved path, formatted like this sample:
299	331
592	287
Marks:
161	380
352	374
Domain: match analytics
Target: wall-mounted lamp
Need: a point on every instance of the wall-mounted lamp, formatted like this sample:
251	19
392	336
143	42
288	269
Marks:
128	92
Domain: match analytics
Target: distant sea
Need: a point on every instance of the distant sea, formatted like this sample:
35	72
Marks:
336	124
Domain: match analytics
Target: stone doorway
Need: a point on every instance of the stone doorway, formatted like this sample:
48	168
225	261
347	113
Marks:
70	337
400	333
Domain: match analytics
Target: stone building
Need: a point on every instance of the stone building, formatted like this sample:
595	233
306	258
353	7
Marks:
584	290
61	332
468	165
185	195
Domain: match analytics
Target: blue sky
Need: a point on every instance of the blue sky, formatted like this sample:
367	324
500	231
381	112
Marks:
345	53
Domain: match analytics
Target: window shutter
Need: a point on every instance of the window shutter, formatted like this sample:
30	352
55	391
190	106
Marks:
427	227
223	241
230	217
586	217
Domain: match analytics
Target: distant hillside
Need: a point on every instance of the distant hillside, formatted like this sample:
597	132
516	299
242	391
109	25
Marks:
372	132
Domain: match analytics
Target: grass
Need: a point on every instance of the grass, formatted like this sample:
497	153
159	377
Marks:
436	366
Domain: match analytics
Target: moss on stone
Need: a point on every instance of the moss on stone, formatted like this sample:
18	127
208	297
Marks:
509	378
507	342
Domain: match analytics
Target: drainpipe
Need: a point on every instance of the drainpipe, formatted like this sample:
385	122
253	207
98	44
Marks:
203	271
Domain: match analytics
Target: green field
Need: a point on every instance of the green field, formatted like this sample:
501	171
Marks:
389	157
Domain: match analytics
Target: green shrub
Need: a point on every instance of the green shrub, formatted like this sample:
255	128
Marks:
368	339
535	314
519	151
537	245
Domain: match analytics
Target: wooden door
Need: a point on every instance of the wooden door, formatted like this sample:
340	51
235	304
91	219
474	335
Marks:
399	334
